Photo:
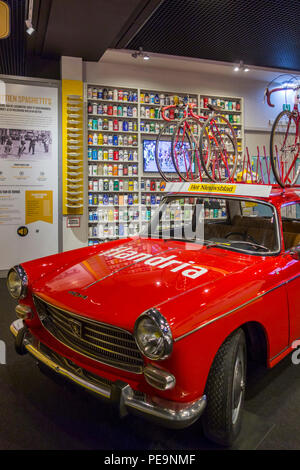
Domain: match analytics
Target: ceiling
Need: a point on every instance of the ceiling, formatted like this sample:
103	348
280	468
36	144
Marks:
173	64
13	49
263	33
73	28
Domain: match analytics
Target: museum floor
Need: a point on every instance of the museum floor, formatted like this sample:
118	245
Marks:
39	413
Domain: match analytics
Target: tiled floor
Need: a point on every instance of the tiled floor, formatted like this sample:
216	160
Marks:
39	413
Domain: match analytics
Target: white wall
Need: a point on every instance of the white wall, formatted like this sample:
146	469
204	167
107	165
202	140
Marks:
164	73
224	82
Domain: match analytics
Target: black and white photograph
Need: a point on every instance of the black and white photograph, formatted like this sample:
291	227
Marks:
21	144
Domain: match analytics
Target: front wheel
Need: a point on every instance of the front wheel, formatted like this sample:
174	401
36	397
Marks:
218	149
163	153
225	391
185	149
284	149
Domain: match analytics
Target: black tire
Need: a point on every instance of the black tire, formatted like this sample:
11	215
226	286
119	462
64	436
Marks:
165	135
273	155
189	174
222	420
229	133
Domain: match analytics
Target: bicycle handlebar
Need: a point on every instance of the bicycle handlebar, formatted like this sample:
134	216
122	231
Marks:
164	109
268	93
190	107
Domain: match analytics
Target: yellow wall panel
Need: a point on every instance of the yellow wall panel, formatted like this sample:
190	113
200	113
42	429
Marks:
72	141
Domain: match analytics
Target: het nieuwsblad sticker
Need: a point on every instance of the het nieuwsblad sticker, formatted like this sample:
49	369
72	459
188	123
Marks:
212	188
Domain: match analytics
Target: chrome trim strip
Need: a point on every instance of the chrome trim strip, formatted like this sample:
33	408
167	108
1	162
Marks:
292	278
129	401
282	351
117	353
232	311
76	315
42	357
107	335
189	413
116	365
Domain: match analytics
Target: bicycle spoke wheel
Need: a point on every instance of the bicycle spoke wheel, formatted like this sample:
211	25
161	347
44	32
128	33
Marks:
163	153
284	149
219	156
185	149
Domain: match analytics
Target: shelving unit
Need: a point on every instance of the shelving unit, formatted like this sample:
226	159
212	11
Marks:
122	196
232	110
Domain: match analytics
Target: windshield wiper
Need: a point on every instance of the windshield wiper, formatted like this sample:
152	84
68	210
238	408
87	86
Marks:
256	245
209	244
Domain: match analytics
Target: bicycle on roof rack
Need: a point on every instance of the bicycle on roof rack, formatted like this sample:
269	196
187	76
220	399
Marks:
196	142
285	139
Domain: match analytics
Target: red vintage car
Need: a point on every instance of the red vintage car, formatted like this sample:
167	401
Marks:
165	323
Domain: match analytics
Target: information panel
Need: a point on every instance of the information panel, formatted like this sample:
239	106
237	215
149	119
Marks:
28	172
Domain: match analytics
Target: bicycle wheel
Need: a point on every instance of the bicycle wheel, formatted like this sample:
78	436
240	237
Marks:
284	149
163	152
219	160
185	149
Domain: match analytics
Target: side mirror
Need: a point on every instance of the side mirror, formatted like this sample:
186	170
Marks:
295	252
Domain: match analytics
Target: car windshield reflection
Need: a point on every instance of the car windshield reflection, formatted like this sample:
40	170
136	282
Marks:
226	223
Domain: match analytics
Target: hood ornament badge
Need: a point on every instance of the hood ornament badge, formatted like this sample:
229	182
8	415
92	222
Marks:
76	327
77	294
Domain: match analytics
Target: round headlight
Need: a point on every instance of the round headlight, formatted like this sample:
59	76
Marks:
153	335
17	282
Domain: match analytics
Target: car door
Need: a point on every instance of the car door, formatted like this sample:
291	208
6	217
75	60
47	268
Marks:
290	215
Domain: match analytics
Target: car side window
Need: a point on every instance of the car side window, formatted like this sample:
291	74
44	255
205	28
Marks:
290	215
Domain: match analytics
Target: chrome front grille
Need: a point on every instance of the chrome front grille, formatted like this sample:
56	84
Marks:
104	343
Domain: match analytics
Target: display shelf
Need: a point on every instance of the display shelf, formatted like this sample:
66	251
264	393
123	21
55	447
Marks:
113	146
100	100
222	111
112	176
111	131
142	114
112	116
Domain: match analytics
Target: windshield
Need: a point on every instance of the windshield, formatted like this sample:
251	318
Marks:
227	223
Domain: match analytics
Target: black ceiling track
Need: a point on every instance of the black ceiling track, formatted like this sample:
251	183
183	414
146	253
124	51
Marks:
13	48
260	32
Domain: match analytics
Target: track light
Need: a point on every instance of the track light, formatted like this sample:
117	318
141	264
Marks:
241	67
140	53
29	27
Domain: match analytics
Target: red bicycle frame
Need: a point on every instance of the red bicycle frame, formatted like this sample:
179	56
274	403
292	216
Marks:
295	115
188	112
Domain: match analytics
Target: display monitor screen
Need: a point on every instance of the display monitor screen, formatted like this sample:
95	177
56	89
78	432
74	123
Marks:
164	149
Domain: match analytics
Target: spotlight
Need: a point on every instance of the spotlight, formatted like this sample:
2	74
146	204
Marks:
30	29
140	53
241	67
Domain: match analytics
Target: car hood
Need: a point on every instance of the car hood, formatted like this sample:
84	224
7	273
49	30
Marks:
115	286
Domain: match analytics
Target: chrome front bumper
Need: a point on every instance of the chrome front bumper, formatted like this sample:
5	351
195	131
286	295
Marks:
165	412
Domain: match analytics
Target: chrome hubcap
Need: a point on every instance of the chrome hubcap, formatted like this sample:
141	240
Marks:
238	385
